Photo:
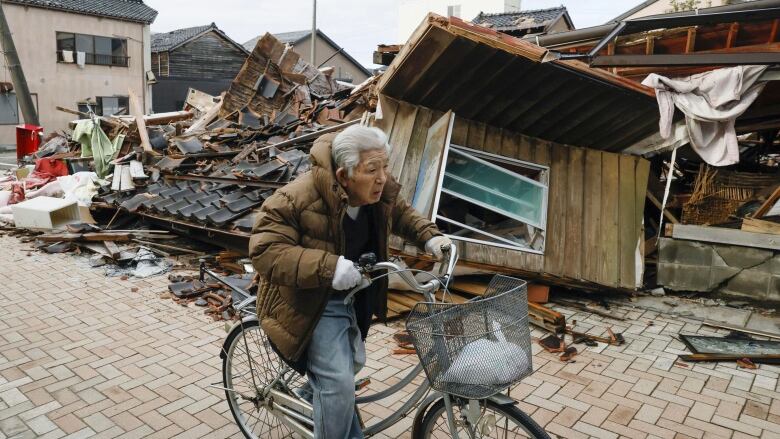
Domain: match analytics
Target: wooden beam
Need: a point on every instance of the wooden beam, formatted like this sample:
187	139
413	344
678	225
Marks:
732	37
768	204
690	42
760	226
669	216
138	113
773	32
721	235
649	45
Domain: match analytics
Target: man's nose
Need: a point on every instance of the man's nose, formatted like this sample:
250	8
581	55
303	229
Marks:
382	176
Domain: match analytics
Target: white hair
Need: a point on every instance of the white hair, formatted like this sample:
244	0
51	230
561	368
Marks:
349	143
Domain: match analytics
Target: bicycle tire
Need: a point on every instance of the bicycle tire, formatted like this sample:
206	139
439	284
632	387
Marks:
266	425
434	423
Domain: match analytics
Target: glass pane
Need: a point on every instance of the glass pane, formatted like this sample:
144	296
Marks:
118	47
85	43
103	50
110	105
494	188
9	109
65	41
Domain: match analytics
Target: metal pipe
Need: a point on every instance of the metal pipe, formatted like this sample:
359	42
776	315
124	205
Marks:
17	74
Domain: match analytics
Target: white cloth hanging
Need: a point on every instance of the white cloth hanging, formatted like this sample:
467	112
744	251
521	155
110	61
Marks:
81	58
67	56
711	102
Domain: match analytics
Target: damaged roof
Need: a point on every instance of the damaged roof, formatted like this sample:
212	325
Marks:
166	41
521	19
128	10
506	82
295	37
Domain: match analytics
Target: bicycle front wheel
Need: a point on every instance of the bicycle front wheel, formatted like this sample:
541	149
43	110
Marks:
495	421
249	366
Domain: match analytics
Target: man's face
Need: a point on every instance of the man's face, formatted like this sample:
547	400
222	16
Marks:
368	178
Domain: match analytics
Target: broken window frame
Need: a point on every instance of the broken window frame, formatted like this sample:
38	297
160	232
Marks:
483	158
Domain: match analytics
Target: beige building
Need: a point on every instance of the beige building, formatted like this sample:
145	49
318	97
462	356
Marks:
74	54
655	7
327	54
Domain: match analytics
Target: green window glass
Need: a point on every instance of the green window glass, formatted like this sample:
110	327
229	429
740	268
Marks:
494	188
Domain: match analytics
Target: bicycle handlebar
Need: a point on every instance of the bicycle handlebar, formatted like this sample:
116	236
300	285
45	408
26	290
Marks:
427	288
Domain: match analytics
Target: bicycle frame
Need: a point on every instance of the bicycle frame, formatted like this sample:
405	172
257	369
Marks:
297	413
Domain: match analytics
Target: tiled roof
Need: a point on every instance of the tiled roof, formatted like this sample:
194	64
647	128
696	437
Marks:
519	20
166	40
129	10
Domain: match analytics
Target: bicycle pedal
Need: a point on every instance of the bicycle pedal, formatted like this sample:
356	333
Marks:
362	383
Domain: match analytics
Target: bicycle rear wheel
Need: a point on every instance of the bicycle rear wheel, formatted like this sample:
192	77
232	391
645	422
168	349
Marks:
248	367
496	421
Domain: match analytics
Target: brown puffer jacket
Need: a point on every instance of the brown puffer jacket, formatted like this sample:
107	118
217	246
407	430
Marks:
297	239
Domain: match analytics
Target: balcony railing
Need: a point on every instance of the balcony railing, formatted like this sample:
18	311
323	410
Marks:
96	59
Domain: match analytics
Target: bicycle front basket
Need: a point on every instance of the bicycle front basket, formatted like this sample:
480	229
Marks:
478	348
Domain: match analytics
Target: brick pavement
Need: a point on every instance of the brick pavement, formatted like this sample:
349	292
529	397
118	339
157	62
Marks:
81	355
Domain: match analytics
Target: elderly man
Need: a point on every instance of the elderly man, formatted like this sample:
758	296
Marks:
303	247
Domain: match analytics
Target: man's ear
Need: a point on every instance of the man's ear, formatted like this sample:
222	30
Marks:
342	176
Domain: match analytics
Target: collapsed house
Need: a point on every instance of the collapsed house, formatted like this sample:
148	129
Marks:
722	214
523	169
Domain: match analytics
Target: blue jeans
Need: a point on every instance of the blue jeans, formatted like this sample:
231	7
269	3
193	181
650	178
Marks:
336	353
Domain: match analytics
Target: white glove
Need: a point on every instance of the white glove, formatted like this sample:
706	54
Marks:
346	275
435	244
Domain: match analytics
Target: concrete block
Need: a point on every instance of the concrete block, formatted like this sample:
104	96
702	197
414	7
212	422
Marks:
680	277
749	283
742	257
684	252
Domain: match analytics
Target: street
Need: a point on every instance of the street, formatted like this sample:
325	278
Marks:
83	355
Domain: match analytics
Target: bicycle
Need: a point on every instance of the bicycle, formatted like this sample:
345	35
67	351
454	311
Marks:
266	396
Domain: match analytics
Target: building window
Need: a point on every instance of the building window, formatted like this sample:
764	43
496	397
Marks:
9	109
165	68
111	105
453	11
490	199
97	50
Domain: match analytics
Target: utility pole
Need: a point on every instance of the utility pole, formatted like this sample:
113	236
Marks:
314	34
17	74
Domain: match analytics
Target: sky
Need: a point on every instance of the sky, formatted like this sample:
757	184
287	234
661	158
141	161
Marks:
357	25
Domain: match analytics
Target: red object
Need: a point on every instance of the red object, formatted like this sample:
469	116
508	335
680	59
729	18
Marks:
46	167
28	139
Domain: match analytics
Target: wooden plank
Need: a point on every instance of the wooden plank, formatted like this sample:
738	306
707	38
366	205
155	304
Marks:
591	216
640	189
555	236
418	62
525	150
138	113
732	37
726	236
627	237
414	151
610	181
574	209
460	131
668	215
431	163
649	45
399	138
760	226
492	142
389	110
112	249
476	137
690	42
768	204
773	32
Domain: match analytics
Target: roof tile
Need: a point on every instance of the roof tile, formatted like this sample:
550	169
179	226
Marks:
129	10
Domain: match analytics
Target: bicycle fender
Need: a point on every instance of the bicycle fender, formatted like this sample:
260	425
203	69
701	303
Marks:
501	399
223	350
